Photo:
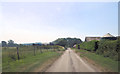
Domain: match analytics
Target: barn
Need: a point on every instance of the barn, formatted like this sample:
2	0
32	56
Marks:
87	39
107	36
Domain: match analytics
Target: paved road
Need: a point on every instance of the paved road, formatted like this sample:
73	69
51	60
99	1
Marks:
71	62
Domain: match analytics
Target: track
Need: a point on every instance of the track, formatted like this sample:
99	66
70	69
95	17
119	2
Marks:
71	62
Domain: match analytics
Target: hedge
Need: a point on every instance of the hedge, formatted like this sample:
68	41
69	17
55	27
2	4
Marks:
107	48
90	46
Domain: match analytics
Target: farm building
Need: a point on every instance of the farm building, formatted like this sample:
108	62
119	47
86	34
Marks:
109	37
92	38
106	36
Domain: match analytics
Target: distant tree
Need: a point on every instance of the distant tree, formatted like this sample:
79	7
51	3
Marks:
11	43
63	42
67	42
4	43
51	43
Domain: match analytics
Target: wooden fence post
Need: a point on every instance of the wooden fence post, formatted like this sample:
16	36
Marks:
18	53
34	49
40	50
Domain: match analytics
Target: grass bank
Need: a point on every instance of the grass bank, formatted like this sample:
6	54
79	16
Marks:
30	63
106	63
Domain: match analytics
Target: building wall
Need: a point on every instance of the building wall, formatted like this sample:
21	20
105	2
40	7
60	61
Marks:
92	38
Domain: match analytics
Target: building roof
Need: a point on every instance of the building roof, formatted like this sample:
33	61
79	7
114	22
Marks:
108	35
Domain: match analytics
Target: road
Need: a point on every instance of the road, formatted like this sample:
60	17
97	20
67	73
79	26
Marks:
71	62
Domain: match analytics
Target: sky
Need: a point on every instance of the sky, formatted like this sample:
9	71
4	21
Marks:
27	22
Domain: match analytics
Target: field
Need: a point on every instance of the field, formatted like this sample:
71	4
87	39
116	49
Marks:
106	63
30	58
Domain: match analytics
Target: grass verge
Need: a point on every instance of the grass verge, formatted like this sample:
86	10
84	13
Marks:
30	63
106	63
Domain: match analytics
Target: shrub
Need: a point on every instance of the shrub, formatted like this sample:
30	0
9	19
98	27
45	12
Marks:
108	48
90	46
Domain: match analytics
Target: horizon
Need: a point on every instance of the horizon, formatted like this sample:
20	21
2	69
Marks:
54	40
45	22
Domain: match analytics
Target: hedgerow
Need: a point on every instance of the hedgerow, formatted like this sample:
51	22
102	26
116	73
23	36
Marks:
106	48
90	46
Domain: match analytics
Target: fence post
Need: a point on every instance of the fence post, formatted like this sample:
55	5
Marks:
34	49
18	53
40	50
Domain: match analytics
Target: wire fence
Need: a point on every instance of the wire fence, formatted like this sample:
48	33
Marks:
16	53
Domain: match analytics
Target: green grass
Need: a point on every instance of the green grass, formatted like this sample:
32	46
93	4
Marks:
28	64
104	62
10	54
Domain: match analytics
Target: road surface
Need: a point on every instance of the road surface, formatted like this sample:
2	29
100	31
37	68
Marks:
71	62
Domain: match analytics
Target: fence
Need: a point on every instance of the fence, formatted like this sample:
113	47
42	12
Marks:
16	53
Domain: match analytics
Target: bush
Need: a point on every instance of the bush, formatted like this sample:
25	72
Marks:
89	46
108	48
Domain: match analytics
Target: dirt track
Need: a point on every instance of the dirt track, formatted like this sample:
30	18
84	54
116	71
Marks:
71	62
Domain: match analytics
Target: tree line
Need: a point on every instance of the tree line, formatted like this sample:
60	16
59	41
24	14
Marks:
66	42
10	43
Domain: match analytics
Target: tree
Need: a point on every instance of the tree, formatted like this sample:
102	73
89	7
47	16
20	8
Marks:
4	43
96	46
11	43
63	42
67	42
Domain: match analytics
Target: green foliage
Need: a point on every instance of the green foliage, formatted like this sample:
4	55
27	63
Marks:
9	44
4	44
10	61
67	42
9	54
108	48
49	47
90	46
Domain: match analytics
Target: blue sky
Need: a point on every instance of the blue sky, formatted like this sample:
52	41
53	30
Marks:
26	22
